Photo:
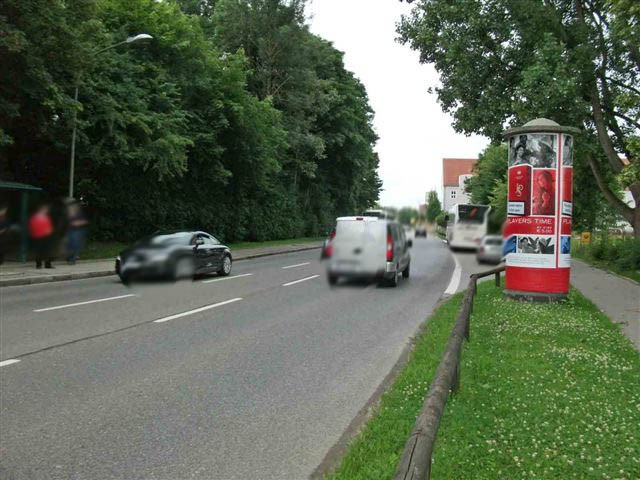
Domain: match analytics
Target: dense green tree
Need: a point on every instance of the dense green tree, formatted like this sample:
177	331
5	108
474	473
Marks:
490	169
434	207
407	215
234	118
575	61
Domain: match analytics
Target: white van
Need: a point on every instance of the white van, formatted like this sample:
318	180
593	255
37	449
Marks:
369	247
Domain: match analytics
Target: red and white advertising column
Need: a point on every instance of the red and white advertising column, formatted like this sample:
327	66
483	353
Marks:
537	232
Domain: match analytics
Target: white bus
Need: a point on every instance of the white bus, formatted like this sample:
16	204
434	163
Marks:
466	225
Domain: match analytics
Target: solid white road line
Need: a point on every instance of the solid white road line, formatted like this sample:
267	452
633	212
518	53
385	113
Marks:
455	279
197	310
297	265
301	280
228	278
4	363
85	303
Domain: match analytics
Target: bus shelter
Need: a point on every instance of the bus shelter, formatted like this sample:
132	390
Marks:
10	189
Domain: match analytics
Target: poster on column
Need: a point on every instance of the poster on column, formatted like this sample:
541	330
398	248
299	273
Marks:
530	232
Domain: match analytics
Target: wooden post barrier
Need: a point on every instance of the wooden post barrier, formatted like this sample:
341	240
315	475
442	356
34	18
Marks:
415	463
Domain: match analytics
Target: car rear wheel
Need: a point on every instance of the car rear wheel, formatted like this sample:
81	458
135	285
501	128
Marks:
406	271
333	279
226	266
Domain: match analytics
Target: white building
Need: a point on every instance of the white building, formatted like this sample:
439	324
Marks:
455	172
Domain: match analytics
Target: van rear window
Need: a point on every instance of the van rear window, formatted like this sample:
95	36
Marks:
354	230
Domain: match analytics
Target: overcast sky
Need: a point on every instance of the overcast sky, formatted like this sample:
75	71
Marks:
414	132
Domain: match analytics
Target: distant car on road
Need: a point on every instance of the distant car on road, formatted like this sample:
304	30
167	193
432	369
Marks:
421	232
490	249
371	248
174	255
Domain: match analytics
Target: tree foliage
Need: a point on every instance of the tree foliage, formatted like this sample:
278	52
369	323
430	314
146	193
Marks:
234	118
434	207
505	62
407	215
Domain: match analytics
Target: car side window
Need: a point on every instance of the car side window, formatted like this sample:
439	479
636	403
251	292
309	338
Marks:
207	240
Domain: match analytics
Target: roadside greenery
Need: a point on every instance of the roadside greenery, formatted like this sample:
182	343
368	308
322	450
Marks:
620	255
505	62
408	214
234	118
108	250
434	207
547	391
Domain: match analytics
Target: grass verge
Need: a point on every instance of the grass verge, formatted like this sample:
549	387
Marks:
102	250
547	391
376	451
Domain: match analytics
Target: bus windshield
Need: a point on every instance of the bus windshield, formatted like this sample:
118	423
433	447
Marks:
472	213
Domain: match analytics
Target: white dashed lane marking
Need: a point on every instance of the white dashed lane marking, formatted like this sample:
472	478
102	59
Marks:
69	305
296	265
301	280
196	310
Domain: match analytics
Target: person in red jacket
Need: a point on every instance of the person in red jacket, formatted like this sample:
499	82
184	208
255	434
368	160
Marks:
41	233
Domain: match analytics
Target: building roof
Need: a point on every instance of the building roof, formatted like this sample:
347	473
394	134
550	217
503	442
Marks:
18	186
452	168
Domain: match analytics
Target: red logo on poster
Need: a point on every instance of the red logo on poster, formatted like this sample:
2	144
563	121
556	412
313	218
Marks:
519	190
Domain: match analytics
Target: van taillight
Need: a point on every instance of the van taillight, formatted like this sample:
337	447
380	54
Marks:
389	247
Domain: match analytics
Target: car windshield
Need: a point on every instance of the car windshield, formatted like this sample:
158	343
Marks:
493	241
180	238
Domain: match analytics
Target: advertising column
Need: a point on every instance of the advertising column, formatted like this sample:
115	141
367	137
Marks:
537	233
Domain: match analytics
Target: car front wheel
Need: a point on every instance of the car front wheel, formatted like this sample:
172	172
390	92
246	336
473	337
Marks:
226	266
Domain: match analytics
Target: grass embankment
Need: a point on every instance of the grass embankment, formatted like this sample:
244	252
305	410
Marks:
547	391
100	250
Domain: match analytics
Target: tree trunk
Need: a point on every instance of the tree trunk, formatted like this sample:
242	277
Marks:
635	193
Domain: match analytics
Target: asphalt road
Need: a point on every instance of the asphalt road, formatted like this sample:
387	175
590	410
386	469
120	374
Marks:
252	376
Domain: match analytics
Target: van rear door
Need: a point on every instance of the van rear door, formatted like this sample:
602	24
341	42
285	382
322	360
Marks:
360	245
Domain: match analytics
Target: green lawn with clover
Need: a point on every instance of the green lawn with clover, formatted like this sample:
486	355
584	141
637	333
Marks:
547	391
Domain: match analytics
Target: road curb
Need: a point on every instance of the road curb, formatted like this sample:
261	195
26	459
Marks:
15	282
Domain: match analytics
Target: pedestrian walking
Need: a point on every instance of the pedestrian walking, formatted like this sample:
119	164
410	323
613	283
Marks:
76	232
41	234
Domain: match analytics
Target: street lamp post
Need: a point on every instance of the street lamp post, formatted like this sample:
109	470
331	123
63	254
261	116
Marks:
136	38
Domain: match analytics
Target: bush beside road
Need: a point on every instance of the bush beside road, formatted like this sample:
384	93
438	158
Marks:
547	391
621	256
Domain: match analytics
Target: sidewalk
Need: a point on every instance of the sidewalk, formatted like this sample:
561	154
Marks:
616	296
15	273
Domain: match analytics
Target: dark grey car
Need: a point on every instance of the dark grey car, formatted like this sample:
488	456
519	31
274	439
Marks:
174	255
